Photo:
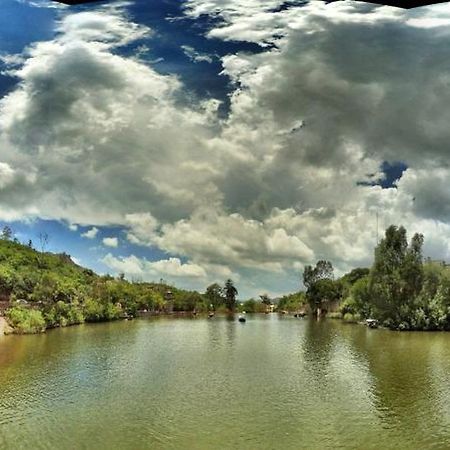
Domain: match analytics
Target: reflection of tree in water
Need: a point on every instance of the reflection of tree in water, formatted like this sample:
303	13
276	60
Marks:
318	343
401	366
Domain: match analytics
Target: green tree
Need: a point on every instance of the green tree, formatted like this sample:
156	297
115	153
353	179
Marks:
215	296
396	277
230	295
7	233
319	284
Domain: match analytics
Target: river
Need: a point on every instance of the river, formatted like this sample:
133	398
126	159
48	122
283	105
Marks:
270	383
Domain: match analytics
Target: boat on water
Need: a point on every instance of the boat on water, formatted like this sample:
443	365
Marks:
242	319
372	323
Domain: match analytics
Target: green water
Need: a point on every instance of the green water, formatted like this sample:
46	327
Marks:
271	383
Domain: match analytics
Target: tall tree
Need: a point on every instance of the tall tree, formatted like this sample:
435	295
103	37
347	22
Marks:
7	233
230	295
322	271
397	275
319	284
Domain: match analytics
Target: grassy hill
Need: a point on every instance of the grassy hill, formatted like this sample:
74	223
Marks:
42	290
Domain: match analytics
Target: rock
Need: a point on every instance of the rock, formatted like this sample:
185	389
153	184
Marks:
4	327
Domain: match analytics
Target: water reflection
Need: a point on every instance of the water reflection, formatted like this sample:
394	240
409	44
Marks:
200	383
403	369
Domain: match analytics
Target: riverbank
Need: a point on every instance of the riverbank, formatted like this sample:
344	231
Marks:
6	328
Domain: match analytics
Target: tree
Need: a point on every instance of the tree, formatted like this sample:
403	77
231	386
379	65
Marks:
265	299
230	295
323	270
7	233
319	284
215	296
397	276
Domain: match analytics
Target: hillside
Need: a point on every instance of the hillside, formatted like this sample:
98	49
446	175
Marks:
40	290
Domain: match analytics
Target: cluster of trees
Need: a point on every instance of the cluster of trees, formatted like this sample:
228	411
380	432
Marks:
50	290
400	290
292	302
323	290
222	297
403	291
263	305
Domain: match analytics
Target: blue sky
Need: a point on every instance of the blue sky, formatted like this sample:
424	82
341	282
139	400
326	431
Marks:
199	140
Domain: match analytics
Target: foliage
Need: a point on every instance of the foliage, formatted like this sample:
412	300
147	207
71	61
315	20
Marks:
63	314
230	295
215	296
320	284
401	291
352	318
292	302
50	290
7	233
25	320
334	315
253	306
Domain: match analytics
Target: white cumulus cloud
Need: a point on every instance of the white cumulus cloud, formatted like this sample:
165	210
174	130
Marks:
111	242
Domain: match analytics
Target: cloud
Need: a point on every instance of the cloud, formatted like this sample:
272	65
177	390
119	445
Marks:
91	233
196	56
111	242
151	270
211	237
78	104
93	137
7	175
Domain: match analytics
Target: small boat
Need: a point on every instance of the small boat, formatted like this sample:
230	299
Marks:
242	319
372	323
210	315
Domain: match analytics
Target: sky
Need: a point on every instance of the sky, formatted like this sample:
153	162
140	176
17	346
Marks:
200	140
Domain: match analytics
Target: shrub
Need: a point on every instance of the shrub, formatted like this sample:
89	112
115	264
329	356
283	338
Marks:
25	321
352	318
93	311
334	315
63	314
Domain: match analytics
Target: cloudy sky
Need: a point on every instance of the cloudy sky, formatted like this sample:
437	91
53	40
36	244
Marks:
199	140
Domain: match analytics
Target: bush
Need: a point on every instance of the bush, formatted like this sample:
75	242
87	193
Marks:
93	311
25	321
334	315
62	314
352	318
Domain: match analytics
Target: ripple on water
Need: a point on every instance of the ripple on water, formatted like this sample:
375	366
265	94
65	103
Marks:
273	383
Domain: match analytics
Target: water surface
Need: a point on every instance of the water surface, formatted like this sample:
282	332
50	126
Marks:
271	383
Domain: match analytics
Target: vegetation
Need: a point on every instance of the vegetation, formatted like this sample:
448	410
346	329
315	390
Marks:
48	290
292	302
253	306
320	285
26	321
230	295
401	290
